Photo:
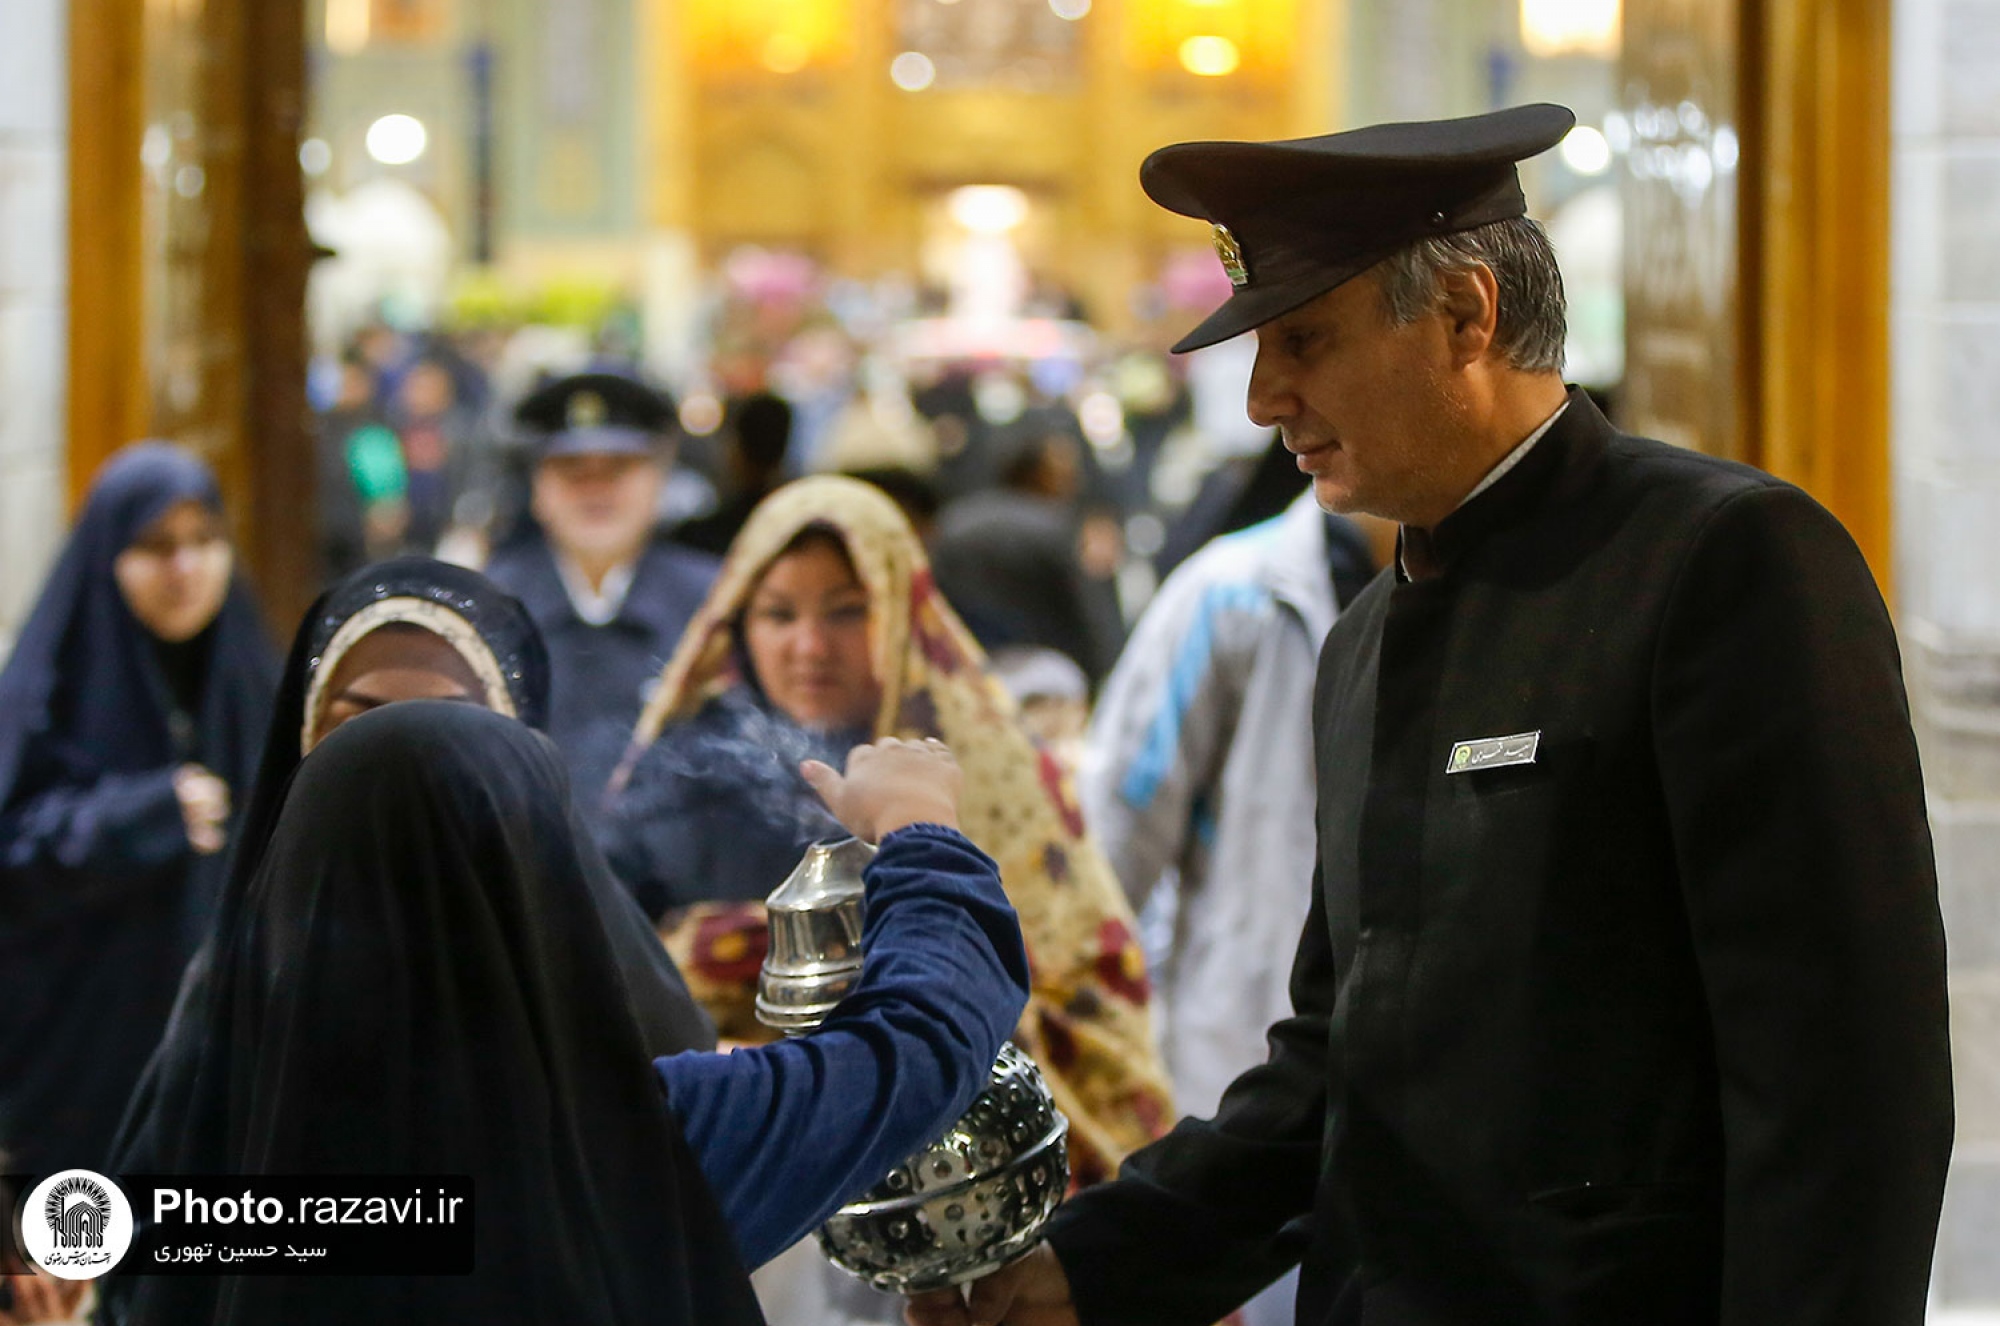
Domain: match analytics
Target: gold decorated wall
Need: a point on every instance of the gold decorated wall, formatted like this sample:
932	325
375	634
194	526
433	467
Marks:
779	124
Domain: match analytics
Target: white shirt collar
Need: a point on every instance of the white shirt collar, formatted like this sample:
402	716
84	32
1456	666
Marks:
597	607
1514	457
1507	462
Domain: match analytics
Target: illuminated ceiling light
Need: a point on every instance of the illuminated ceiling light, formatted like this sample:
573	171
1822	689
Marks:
1570	27
156	149
1726	149
1586	151
315	156
1070	10
1102	419
397	140
784	53
1618	131
912	71
989	209
1211	57
347	25
701	414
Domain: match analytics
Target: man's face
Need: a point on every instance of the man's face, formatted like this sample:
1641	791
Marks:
598	506
1374	411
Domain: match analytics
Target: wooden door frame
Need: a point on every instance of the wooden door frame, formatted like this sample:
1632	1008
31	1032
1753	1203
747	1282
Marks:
108	394
1814	237
265	438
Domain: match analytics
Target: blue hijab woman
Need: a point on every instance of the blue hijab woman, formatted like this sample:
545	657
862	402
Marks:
131	714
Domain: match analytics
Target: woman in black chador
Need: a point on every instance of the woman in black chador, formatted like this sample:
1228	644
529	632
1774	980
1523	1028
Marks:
408	628
404	629
422	976
131	712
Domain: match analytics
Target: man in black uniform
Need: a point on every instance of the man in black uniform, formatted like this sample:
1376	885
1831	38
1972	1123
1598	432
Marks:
1621	1000
611	596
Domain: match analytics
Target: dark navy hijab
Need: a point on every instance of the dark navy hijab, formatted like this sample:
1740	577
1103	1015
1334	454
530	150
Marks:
101	897
420	977
86	691
504	631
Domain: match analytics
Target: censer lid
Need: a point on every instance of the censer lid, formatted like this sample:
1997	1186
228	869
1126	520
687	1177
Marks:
827	875
815	950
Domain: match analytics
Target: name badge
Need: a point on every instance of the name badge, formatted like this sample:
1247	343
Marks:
1493	752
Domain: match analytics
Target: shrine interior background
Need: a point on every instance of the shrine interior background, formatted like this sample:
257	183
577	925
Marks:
1776	232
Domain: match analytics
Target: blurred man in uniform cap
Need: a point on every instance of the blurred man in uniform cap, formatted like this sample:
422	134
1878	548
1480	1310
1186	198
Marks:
1621	998
611	596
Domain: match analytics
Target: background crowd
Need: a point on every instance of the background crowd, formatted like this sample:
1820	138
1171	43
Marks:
689	594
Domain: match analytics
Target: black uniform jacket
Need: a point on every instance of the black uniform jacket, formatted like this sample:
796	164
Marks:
600	675
1650	1029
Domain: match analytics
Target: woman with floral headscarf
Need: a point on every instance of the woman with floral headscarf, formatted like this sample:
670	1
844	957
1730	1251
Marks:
825	631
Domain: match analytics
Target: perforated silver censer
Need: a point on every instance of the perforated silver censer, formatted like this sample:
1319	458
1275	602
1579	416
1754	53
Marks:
974	1199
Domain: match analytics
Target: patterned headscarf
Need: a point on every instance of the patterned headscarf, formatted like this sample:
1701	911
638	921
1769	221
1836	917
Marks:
1087	1022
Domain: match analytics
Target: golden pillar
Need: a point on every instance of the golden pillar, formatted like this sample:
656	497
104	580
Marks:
1817	242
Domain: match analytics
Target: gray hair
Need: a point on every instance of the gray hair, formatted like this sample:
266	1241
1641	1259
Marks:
1531	328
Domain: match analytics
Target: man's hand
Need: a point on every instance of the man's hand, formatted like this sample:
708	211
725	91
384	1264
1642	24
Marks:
1033	1291
889	785
204	802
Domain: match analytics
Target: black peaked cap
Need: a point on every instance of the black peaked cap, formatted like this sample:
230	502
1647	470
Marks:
1295	218
595	412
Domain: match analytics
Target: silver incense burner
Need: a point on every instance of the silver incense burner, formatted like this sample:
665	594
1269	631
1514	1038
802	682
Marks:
815	952
974	1199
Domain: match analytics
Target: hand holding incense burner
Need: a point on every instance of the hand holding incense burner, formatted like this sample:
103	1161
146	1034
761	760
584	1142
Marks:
974	1199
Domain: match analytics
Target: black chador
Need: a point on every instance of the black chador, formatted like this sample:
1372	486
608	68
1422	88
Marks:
423	975
162	1131
101	895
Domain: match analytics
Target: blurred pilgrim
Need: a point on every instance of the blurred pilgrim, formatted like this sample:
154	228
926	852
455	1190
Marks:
131	713
823	633
610	594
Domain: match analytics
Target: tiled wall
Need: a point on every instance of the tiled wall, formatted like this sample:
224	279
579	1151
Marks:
1946	334
33	227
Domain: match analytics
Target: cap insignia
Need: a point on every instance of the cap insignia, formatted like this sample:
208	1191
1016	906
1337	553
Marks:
584	410
1231	253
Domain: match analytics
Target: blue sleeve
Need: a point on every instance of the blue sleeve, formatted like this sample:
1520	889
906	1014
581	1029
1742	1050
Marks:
785	1133
120	821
